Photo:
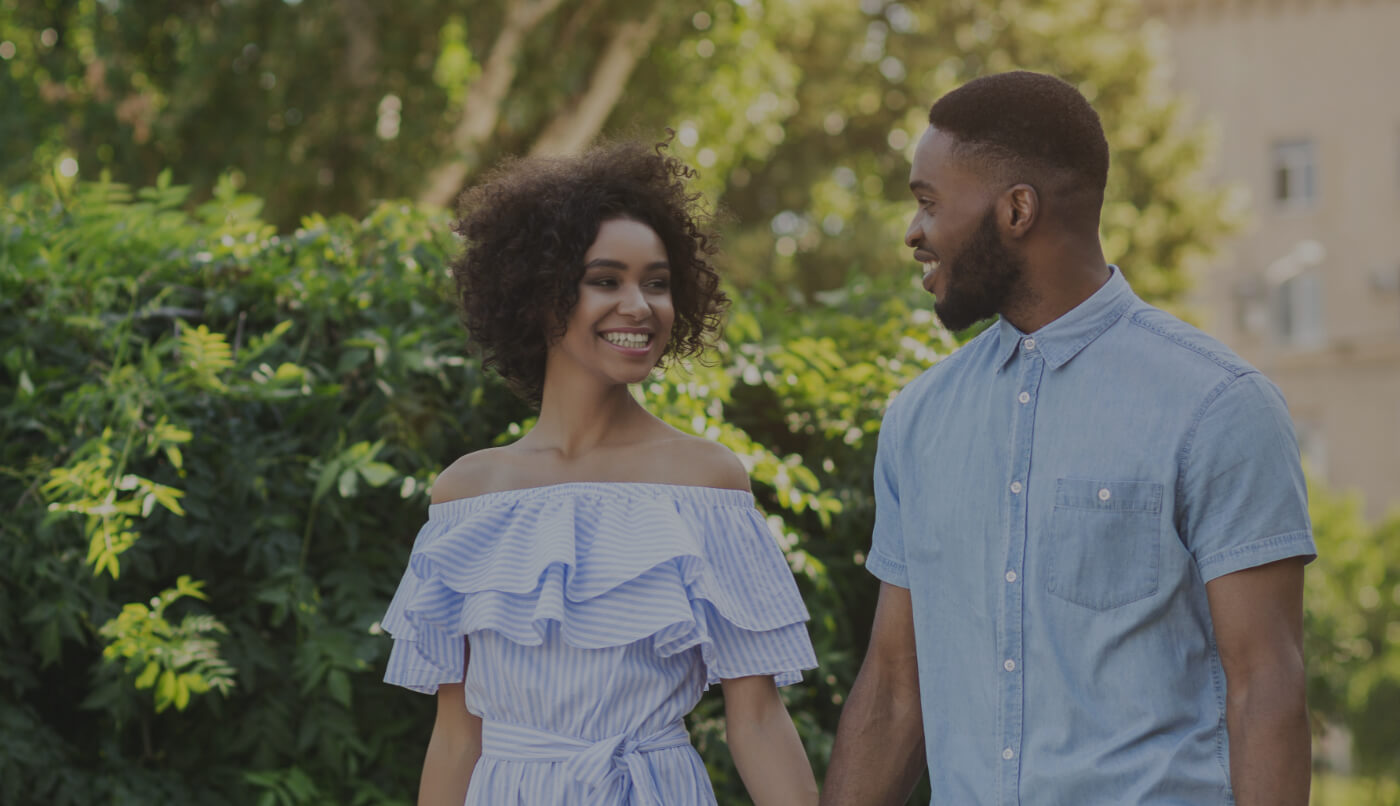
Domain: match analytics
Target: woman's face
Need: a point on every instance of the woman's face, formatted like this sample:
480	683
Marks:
622	321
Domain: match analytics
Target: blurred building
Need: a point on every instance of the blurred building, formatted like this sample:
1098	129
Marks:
1303	96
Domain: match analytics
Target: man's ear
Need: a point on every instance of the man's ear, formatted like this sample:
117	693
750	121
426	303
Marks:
1020	207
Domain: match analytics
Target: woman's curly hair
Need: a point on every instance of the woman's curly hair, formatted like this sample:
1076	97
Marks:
527	226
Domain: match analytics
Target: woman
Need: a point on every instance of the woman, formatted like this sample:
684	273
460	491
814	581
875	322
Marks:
573	593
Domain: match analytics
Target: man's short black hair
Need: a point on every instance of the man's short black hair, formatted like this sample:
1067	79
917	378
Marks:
1028	126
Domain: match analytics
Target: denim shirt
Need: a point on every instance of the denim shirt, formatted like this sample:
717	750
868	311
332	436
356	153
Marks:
1055	504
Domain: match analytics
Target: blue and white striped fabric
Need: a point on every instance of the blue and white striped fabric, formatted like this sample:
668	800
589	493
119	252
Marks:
597	614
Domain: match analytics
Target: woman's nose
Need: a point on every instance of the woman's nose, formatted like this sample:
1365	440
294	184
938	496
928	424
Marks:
633	303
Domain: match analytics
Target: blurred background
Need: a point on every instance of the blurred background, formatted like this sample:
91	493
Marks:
230	367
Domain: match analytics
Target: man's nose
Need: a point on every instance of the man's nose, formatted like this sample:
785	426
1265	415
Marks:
914	235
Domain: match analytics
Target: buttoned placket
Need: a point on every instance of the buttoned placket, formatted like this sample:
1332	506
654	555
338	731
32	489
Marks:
1011	706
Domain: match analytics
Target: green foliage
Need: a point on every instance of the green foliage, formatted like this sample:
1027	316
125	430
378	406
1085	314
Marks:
218	443
800	114
1353	629
176	661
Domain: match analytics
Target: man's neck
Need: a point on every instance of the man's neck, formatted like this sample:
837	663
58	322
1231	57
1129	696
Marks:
1057	283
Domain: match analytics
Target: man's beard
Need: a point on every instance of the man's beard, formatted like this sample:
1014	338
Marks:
982	278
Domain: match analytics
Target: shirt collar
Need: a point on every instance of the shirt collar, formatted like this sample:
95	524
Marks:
1063	338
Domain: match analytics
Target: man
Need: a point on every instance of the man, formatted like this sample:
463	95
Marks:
1091	522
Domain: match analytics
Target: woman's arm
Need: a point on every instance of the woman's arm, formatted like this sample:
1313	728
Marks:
453	748
765	746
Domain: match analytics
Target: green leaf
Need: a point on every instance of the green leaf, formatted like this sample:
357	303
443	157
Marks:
165	690
378	473
338	685
147	677
188	587
347	484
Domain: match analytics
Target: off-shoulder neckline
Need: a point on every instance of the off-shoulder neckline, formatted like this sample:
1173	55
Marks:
690	492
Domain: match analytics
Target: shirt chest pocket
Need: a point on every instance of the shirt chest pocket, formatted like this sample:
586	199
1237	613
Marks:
1103	547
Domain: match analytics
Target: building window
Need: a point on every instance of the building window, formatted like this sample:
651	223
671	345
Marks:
1294	173
1298	310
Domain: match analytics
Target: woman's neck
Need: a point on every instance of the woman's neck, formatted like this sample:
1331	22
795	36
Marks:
579	414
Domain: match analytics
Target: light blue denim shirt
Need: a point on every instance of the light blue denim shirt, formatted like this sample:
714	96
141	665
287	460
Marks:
1055	504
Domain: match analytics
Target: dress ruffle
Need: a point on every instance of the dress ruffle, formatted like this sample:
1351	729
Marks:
609	564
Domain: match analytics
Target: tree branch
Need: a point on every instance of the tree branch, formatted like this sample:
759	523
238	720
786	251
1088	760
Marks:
576	126
482	106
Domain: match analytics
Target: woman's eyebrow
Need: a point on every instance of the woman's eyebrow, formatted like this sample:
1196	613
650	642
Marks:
609	263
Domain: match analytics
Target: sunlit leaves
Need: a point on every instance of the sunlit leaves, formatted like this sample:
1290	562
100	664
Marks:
205	356
113	500
177	661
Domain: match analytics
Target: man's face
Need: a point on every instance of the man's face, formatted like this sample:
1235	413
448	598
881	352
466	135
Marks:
967	266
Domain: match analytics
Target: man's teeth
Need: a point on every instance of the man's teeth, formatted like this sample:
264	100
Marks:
929	267
630	340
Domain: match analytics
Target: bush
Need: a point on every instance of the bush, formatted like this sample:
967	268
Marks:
219	443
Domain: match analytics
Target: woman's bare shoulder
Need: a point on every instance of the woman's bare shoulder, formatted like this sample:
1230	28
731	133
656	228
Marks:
699	462
472	475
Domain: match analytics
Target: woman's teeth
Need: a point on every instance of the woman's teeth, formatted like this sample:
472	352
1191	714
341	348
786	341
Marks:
629	340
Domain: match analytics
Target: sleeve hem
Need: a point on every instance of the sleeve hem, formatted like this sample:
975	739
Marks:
783	673
1257	553
886	569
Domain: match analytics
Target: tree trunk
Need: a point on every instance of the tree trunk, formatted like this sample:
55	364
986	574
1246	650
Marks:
574	128
482	105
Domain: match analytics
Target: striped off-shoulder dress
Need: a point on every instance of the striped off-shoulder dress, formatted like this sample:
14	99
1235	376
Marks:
597	614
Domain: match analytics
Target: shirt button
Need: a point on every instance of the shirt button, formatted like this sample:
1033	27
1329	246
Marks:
1008	754
1024	397
1104	494
1010	576
1030	344
1010	665
1016	487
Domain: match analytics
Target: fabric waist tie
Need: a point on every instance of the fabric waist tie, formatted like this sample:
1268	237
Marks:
593	764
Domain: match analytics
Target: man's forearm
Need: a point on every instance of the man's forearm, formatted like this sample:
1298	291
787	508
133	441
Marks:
1270	745
879	751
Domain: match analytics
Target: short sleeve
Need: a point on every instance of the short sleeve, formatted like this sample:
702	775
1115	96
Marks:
750	613
420	656
1241	498
886	559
